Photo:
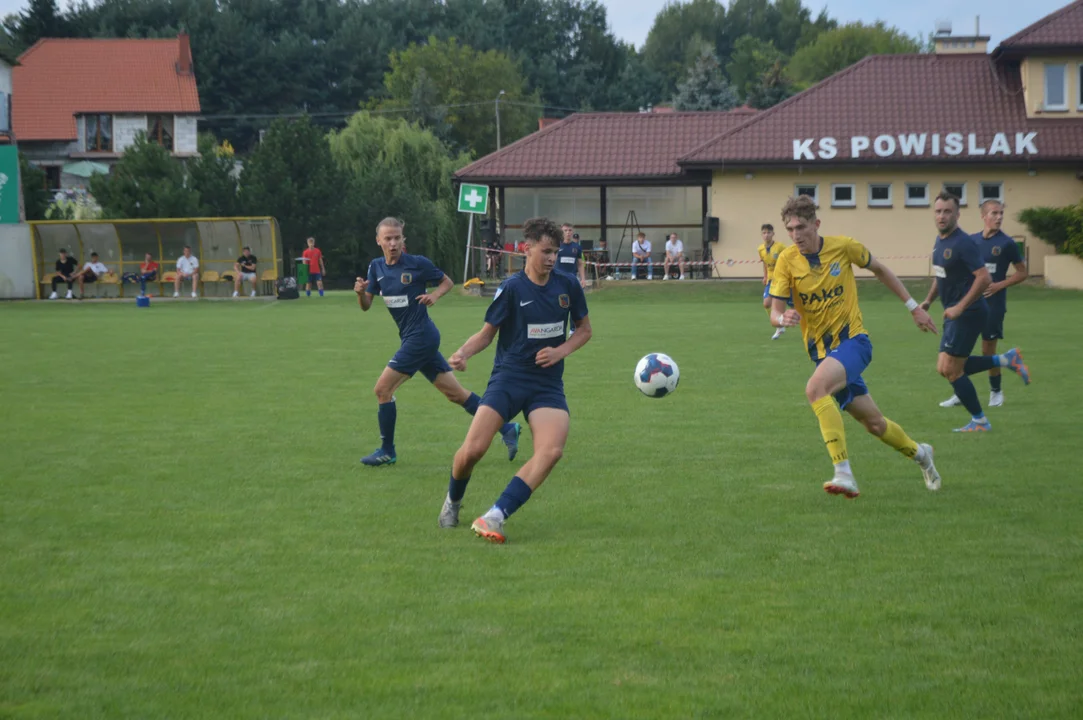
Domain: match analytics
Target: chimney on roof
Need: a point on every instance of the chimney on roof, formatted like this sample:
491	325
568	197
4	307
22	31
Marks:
184	57
945	43
546	122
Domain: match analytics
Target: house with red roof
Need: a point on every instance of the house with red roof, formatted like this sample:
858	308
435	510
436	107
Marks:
81	102
872	144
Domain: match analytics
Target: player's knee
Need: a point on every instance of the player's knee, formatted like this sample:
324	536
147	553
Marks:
814	390
383	394
471	453
550	455
876	426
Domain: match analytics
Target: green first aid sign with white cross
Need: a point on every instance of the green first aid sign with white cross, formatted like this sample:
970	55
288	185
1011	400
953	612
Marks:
9	184
474	199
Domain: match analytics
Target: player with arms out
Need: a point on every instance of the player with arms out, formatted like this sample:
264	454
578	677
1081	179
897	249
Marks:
316	269
817	271
402	281
769	250
998	252
961	278
528	318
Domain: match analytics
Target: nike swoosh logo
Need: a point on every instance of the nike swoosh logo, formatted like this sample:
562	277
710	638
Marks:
379	278
521	304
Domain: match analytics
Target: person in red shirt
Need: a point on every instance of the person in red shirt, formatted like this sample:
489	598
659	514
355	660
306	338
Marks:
316	268
148	271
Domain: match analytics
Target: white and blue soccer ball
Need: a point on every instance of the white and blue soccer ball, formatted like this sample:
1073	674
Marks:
657	375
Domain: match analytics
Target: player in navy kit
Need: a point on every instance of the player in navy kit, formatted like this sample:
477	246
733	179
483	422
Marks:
529	319
961	278
570	254
402	281
998	252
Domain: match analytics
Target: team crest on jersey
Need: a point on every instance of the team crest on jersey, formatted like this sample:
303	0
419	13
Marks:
835	270
996	250
947	254
565	301
407	278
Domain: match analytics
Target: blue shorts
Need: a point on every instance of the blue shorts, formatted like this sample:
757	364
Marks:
767	294
960	336
994	325
855	354
420	355
509	396
315	277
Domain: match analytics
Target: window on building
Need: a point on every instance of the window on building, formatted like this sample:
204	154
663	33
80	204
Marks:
812	191
879	194
1079	86
52	177
5	112
917	194
843	195
958	189
992	191
160	130
1056	87
99	133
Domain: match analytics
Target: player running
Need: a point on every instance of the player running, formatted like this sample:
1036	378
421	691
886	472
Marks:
998	252
769	251
401	280
961	278
528	318
817	271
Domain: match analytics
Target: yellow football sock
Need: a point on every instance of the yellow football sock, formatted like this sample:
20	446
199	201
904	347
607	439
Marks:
827	412
897	438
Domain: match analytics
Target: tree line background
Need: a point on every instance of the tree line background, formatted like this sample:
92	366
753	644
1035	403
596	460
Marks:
368	106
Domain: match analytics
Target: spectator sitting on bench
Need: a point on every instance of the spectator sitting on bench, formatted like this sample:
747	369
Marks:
187	269
674	254
641	252
65	273
245	268
148	272
91	272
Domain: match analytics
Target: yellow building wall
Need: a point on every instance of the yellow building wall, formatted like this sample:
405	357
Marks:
1033	73
901	236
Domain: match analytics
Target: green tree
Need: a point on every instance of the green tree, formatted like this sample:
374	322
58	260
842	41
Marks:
678	36
213	175
1060	227
468	82
40	19
147	182
292	177
397	168
705	87
752	59
35	196
838	49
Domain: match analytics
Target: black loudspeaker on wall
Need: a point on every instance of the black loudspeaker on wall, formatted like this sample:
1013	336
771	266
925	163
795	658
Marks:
710	229
486	231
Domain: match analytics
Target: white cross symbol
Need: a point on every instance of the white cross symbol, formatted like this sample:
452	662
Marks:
473	198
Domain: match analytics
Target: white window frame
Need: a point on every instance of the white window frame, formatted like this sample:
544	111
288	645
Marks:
873	202
1046	105
815	191
910	202
962	195
1079	86
852	202
988	184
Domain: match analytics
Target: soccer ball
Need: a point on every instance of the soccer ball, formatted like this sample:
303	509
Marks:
657	375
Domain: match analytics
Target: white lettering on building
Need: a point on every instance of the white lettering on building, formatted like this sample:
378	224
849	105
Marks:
917	145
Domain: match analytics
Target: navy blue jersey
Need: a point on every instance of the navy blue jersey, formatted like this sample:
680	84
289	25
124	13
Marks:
399	285
531	317
955	258
998	252
568	256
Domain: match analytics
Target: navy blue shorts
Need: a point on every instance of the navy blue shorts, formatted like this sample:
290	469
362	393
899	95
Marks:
767	293
994	325
420	356
315	277
855	354
960	336
511	396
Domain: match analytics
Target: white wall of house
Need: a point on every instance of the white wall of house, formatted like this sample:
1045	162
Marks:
185	134
125	129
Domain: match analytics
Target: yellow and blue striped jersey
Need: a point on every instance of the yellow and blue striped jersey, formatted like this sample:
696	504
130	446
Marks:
770	257
824	291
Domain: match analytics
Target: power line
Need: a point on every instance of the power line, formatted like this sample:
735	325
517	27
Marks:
338	114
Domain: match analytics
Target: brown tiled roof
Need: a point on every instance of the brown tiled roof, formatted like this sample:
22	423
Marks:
1061	29
57	79
595	147
897	95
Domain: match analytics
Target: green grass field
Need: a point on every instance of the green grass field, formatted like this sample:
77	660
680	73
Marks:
185	530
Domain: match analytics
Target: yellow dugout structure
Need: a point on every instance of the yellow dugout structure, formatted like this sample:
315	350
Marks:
122	244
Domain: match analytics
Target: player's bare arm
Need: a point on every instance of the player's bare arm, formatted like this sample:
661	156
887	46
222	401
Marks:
1021	273
364	297
548	357
441	290
781	316
930	296
890	280
477	342
982	279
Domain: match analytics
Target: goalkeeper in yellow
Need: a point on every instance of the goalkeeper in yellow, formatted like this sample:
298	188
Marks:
817	271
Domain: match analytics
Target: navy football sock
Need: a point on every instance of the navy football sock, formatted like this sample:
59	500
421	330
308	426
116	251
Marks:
515	494
980	363
456	488
321	293
994	382
968	396
387	415
471	404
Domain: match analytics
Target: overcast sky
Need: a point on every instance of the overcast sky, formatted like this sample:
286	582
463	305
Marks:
631	19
